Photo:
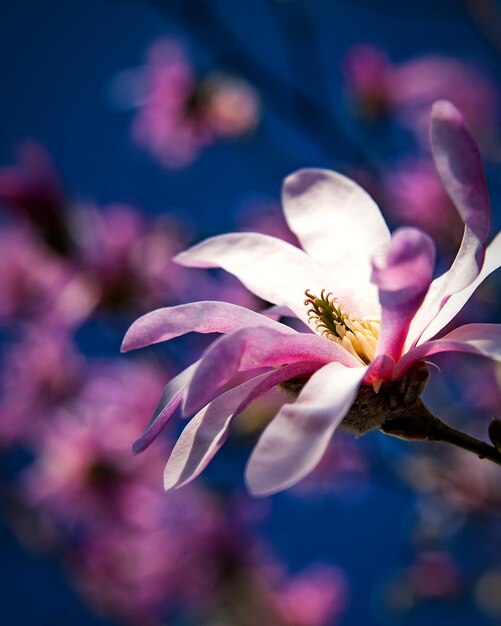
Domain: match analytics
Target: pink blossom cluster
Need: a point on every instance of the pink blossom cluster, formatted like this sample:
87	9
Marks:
134	554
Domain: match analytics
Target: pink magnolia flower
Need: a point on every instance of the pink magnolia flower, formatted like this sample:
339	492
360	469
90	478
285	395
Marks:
384	316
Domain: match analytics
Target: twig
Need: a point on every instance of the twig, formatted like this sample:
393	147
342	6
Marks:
398	410
418	424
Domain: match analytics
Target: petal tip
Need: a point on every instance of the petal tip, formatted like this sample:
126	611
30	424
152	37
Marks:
137	447
445	110
180	257
173	482
125	346
256	490
301	180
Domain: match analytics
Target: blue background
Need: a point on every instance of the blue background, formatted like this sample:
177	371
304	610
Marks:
56	62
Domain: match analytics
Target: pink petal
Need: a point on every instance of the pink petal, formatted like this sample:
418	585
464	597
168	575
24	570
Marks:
250	348
459	165
274	270
457	301
167	405
200	317
403	275
380	371
342	228
481	339
207	431
294	442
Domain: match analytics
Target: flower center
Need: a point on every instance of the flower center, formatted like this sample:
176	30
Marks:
358	336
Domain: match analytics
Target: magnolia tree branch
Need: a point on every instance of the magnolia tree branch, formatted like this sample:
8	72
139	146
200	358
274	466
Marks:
418	424
397	410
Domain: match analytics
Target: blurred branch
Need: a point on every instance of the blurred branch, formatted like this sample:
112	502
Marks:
487	16
207	26
302	52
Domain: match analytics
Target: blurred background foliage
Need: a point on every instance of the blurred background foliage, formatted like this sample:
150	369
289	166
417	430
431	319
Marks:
132	129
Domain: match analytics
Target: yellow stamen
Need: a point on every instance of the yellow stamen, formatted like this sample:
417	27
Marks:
358	336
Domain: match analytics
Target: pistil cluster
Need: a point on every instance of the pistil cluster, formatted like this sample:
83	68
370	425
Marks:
358	336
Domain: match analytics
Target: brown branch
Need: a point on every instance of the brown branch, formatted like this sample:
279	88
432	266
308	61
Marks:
397	410
416	423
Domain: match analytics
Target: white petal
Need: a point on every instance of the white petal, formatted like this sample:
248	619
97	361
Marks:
459	166
341	226
274	270
295	440
457	301
207	431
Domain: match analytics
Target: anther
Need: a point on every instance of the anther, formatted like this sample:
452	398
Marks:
357	336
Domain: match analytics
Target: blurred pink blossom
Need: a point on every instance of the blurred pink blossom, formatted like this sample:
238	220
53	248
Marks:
82	451
127	257
138	554
378	87
37	283
316	597
231	105
178	114
416	197
41	372
368	72
33	190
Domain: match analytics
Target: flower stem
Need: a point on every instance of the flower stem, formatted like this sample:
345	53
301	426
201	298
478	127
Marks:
418	424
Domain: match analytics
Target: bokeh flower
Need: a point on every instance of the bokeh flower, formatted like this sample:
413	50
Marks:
179	114
33	190
378	88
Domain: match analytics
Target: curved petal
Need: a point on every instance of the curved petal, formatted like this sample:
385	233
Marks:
295	440
274	270
341	226
207	431
200	317
481	339
170	400
250	348
380	371
403	275
457	301
459	166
